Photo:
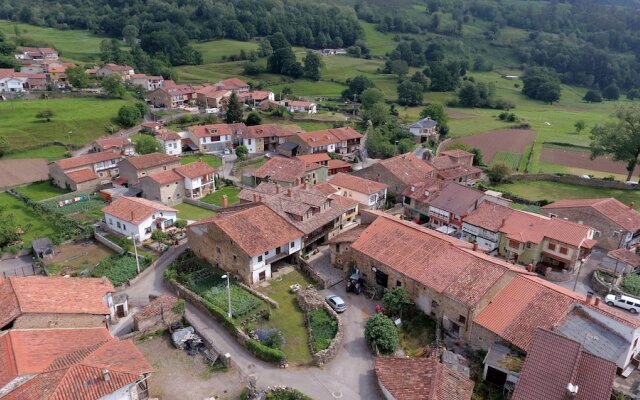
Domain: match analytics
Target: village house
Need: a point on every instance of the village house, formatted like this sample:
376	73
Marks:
79	364
134	168
173	96
318	215
170	141
339	140
114	144
566	370
621	261
451	205
421	378
159	311
193	181
398	172
37	54
215	138
551	245
265	138
482	226
245	242
255	97
349	139
133	216
456	166
370	194
233	84
299	106
148	82
19	82
338	167
616	224
416	199
212	97
125	71
38	302
86	172
393	253
424	130
289	172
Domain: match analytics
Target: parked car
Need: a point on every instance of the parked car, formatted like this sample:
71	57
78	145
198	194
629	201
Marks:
227	151
628	303
336	303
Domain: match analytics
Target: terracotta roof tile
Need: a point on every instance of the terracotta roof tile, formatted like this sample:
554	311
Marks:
338	164
164	177
489	216
318	138
315	158
408	168
325	188
160	304
357	184
232	83
458	172
618	212
299	103
271	130
424	191
346	133
216	130
195	169
456	198
422	378
348	236
82	175
112	142
88	159
10	307
166	134
625	256
151	160
527	227
134	209
282	169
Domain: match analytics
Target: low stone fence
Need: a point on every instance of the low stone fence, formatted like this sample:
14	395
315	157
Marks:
555	276
108	243
575	180
201	204
598	285
268	299
309	300
317	278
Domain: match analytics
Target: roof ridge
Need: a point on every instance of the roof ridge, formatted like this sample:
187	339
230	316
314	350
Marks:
9	279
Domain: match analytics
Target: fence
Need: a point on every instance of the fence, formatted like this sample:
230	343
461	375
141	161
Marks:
201	204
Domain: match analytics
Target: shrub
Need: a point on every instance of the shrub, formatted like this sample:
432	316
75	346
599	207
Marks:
631	284
395	300
381	332
178	308
119	269
286	394
265	353
323	329
498	172
158	235
180	223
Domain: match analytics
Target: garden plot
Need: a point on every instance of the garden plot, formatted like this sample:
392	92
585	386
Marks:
510	159
85	208
515	141
73	258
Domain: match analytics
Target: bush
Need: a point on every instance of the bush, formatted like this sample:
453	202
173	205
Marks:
265	353
498	172
286	394
381	332
178	308
631	284
158	235
119	269
323	329
180	223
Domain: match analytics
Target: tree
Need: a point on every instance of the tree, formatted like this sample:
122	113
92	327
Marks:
498	172
242	152
252	68
611	92
541	84
253	119
579	125
130	34
147	144
436	112
112	85
395	301
77	77
371	96
633	94
264	48
468	95
312	66
8	227
357	85
381	332
399	67
129	115
592	96
410	93
45	114
621	139
378	114
4	145
143	108
549	92
234	109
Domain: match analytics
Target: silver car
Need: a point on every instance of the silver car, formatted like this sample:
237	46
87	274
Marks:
336	303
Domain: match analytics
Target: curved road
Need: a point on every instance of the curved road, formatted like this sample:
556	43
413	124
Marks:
349	376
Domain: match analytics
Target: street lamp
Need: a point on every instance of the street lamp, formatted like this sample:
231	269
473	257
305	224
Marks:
228	295
135	250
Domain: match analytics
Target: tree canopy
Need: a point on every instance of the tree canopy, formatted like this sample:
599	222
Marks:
147	144
541	84
380	331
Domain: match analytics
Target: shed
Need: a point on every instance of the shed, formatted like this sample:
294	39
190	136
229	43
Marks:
42	248
288	149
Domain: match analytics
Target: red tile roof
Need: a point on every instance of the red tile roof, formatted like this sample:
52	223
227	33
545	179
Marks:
315	158
159	305
325	188
164	177
456	153
151	160
422	378
115	67
215	130
82	175
456	198
424	191
270	130
527	227
338	164
195	169
166	134
357	184
554	361
438	261
282	169
626	256
232	84
489	216
620	213
53	295
345	133
408	168
88	159
318	138
298	103
112	142
134	209
255	230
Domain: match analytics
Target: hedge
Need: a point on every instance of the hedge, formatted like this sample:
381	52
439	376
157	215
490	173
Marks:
265	353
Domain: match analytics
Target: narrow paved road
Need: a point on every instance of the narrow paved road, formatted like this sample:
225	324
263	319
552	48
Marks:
349	376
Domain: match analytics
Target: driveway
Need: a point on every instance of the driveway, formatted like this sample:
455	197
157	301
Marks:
583	283
349	376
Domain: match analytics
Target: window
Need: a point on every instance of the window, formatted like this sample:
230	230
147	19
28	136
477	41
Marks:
118	224
563	250
164	167
249	142
124	227
528	245
266	253
462	319
551	246
293	244
260	258
235	258
398	284
110	221
218	249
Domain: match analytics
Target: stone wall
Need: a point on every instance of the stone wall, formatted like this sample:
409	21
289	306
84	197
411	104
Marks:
554	276
108	243
317	278
599	286
575	180
310	300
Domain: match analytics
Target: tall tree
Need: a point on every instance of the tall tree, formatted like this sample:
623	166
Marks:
370	97
357	85
77	77
621	139
129	115
410	93
312	66
112	85
147	144
234	110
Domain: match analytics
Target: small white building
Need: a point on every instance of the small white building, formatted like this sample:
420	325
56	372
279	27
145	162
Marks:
424	129
170	141
146	81
138	217
12	84
302	107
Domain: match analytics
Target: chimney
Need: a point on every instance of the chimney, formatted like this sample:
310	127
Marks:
530	267
588	298
289	192
259	198
631	205
475	246
132	215
105	375
306	185
596	301
571	392
277	188
225	201
255	198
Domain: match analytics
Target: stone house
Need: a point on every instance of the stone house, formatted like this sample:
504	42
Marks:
212	97
264	138
398	172
109	69
148	82
370	194
245	241
233	84
621	261
172	95
482	226
456	166
416	198
86	172
339	140
133	216
616	224
135	168
167	187
38	302
120	145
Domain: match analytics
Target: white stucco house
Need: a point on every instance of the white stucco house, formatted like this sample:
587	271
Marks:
138	217
170	141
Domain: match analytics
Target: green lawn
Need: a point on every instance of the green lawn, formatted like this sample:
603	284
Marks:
40	191
72	45
552	191
51	153
192	213
212	51
213	161
288	318
216	197
76	121
32	225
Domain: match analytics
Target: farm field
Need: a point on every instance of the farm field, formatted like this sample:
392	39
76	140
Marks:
77	121
32	225
552	191
20	172
49	153
502	141
577	158
40	191
73	258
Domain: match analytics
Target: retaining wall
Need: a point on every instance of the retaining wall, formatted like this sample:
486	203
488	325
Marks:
313	274
108	243
575	180
201	204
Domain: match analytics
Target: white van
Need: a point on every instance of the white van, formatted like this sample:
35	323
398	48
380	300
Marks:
628	303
